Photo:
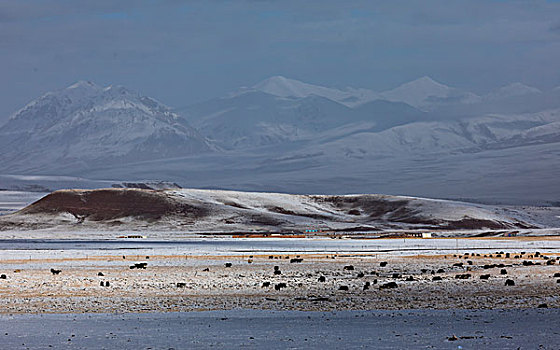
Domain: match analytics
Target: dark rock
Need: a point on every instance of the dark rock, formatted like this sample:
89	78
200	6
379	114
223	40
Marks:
510	282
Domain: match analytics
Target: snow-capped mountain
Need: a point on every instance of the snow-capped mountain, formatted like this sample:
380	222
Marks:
426	93
85	124
256	118
512	90
298	138
284	87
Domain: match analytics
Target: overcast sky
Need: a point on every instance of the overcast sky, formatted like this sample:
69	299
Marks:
182	52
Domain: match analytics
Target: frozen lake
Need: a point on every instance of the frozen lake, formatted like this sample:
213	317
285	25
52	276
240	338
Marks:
244	246
411	329
31	253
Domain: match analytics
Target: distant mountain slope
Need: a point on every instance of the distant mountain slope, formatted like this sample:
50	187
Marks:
512	90
230	211
255	118
283	87
84	125
444	137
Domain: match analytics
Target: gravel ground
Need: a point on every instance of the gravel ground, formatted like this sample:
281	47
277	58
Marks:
179	283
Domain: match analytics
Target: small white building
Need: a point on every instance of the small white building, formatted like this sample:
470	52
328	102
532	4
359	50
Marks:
426	235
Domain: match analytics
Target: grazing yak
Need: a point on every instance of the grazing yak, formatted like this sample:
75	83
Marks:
139	266
388	285
55	272
510	282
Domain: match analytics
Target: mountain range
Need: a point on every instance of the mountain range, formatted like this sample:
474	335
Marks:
422	138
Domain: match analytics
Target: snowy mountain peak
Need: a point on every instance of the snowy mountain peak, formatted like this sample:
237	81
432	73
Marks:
284	87
426	82
85	123
512	90
426	93
289	88
83	84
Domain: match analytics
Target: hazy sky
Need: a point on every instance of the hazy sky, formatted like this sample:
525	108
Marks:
186	51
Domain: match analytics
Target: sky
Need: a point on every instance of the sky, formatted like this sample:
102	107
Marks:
182	52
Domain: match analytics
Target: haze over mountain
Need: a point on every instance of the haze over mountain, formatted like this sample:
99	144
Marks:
85	125
422	138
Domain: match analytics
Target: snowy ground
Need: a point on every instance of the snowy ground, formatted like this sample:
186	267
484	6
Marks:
174	214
